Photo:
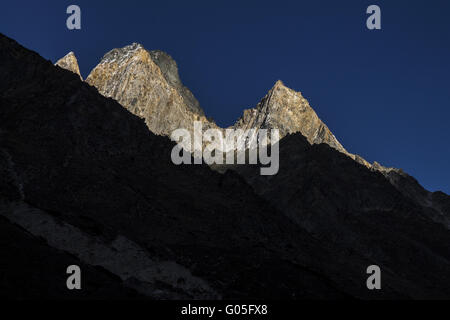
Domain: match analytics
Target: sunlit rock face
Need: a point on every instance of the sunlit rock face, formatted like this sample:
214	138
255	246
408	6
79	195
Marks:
69	62
147	84
289	112
169	69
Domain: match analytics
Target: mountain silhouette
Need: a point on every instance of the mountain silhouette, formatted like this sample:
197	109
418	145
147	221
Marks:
84	181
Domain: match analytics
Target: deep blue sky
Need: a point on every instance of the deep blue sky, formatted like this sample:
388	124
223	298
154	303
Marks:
384	94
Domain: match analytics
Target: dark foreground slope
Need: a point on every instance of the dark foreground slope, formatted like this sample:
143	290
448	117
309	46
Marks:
358	212
81	177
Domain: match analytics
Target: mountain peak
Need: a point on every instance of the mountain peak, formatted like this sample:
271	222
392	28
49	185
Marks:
278	84
148	85
120	54
69	62
288	111
281	88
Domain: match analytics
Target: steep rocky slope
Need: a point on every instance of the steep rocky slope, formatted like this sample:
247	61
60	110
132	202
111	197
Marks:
169	69
147	84
289	112
356	211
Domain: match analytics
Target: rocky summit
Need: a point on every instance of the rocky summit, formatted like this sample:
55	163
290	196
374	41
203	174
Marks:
289	112
148	85
69	62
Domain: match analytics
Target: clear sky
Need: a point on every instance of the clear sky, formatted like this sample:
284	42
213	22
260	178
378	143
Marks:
384	93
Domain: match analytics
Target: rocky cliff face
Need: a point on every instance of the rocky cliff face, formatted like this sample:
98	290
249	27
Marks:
69	62
147	84
289	112
169	69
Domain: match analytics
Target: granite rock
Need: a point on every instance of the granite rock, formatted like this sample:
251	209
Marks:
69	62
